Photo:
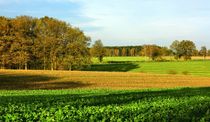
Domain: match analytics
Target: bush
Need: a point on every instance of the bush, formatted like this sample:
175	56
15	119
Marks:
185	72
173	72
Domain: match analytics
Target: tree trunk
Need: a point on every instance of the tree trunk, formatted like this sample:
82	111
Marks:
55	65
26	66
19	66
52	66
44	63
44	56
3	65
70	68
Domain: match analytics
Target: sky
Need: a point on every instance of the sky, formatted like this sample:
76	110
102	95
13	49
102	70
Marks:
124	22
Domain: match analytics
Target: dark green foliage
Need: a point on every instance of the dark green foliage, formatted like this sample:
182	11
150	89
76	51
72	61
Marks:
187	104
203	52
173	72
112	67
184	48
185	73
45	43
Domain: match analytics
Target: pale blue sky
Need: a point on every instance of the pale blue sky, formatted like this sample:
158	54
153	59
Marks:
125	22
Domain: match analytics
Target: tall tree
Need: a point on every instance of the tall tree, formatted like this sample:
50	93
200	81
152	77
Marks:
6	40
98	50
124	51
76	53
176	49
132	52
208	53
23	27
116	52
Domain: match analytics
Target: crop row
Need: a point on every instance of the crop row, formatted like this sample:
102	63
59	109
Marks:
168	105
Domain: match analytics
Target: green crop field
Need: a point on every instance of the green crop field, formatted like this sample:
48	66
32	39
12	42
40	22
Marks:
186	104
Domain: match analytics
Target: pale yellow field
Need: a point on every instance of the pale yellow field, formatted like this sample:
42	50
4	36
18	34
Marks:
19	79
200	58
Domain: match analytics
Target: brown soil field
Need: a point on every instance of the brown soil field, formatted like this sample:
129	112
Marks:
35	79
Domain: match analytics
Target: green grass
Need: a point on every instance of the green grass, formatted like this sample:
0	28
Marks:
197	68
137	64
186	104
121	59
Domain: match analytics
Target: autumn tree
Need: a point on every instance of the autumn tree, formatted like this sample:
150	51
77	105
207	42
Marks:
132	52
6	40
42	43
166	51
98	50
116	52
208	53
152	51
124	51
196	53
76	53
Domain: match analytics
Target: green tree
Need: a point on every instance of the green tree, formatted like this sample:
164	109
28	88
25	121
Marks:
203	52
98	50
183	49
187	48
176	49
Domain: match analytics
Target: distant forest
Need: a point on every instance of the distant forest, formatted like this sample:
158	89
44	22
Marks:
137	51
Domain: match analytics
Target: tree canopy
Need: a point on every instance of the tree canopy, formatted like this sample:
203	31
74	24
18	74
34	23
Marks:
203	51
184	48
98	50
42	43
154	52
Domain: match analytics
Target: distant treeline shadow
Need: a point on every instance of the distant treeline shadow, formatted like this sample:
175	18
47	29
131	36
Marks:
112	67
22	82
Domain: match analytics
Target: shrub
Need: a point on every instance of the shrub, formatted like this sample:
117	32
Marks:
185	72
173	72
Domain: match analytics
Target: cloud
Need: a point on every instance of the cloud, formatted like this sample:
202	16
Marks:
145	20
122	22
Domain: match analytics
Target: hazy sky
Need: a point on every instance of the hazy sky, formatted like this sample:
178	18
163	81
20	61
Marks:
125	22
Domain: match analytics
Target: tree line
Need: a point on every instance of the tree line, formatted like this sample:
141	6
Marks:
47	43
42	43
123	51
179	49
